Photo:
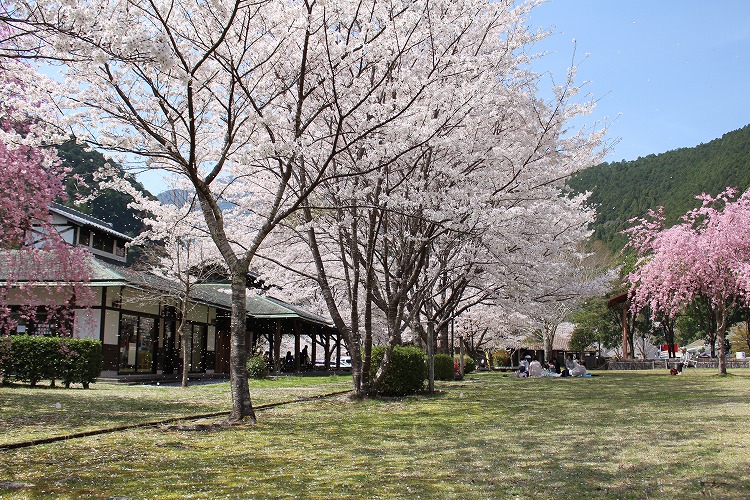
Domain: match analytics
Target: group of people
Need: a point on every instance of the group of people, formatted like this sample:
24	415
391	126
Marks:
288	361
534	368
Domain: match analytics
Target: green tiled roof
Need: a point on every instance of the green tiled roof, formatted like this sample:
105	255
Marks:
258	306
214	294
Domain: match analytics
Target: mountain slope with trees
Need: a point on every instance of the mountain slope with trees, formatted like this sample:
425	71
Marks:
626	189
109	205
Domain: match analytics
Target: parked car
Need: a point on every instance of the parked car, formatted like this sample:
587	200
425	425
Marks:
345	363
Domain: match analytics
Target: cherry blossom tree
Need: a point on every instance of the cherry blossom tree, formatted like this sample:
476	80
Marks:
482	170
257	104
705	256
32	253
177	248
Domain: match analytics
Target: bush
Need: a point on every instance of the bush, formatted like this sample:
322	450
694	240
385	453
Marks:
444	367
34	358
81	361
406	373
5	359
501	358
469	364
257	367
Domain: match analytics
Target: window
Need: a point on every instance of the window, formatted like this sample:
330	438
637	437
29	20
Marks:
119	249
197	354
84	236
103	242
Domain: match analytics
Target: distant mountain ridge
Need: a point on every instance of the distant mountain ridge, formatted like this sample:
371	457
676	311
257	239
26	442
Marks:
626	189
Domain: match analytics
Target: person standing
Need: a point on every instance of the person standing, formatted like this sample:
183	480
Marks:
304	358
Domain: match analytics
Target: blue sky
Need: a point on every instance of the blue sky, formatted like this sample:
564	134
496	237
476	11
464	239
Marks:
673	73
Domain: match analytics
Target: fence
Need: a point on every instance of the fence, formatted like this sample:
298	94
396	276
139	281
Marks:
653	364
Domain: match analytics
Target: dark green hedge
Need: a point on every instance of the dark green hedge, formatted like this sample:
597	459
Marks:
469	363
30	358
444	369
406	374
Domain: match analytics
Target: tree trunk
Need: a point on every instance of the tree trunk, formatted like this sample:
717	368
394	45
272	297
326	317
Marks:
669	337
443	340
386	363
367	355
549	341
242	406
721	323
187	347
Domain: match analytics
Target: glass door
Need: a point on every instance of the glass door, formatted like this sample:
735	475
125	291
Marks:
137	344
146	330
128	343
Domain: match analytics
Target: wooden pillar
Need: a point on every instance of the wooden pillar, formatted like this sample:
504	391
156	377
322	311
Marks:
313	354
271	349
338	352
277	346
297	335
327	364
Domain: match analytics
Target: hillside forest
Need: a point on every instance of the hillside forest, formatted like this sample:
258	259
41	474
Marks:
623	190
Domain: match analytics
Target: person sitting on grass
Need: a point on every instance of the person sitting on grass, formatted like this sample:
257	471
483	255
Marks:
568	365
579	369
535	369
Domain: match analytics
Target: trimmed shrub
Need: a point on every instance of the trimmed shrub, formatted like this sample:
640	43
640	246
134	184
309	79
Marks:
33	358
257	367
5	359
444	367
500	358
81	361
406	374
469	364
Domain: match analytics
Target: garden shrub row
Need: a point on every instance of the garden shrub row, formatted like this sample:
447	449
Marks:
30	358
408	370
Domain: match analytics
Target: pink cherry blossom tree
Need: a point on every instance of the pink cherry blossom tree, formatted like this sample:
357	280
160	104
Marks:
32	253
705	256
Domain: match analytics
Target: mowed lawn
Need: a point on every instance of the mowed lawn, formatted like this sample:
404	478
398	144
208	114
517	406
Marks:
616	435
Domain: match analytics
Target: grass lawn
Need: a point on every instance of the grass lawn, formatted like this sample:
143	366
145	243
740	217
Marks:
617	435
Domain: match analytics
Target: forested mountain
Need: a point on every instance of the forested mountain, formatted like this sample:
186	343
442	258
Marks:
110	206
626	189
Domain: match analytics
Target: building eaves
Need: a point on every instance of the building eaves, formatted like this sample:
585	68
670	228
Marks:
86	220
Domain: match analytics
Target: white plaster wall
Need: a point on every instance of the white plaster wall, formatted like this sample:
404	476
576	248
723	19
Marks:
137	301
86	323
198	313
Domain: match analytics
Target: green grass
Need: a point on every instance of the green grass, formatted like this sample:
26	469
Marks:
618	435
